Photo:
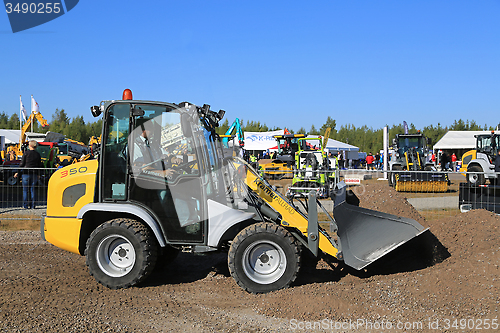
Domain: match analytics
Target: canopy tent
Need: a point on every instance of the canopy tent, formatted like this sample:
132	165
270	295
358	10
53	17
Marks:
261	140
11	136
349	152
458	140
340	146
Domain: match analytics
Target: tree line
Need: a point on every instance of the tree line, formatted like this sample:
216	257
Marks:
75	128
364	137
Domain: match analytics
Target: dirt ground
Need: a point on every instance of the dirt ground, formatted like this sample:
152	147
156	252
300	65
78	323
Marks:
446	280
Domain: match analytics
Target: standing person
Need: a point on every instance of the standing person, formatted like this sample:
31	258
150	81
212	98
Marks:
444	161
453	162
31	159
497	162
377	161
369	161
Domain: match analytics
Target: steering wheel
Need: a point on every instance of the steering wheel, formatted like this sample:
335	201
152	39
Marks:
186	167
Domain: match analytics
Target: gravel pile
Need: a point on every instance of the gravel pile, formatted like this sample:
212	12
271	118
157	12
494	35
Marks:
451	274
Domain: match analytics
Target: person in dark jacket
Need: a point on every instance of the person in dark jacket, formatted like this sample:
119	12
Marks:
497	162
30	161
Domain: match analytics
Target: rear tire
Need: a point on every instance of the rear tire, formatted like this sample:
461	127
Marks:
392	175
121	253
264	257
475	178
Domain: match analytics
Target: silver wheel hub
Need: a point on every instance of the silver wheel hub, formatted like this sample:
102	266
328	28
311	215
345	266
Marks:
264	262
115	255
473	178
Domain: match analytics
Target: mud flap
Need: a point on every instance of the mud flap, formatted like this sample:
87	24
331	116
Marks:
366	235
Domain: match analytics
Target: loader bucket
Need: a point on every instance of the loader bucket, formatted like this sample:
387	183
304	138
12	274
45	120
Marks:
366	235
421	182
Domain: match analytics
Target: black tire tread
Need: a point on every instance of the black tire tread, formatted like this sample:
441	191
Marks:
263	228
148	247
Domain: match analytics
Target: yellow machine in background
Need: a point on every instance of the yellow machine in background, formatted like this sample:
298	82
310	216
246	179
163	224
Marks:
22	139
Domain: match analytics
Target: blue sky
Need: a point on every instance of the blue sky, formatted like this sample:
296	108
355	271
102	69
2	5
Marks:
284	63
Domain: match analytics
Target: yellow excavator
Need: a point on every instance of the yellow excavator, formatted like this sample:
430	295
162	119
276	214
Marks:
22	139
131	209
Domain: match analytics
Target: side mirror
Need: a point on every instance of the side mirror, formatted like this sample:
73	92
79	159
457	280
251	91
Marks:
96	111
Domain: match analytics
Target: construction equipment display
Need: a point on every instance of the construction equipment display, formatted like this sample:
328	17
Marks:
131	209
478	165
313	171
411	168
284	163
18	150
236	127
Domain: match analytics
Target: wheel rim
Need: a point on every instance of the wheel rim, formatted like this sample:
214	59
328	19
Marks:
264	262
12	181
473	178
115	255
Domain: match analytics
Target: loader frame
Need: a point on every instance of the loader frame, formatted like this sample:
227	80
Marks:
110	209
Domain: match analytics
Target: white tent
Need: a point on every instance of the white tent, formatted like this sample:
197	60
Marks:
458	140
261	140
13	136
340	146
350	151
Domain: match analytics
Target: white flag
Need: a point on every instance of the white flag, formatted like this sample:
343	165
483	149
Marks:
23	110
34	105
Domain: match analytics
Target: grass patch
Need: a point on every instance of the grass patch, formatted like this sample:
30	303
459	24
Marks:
437	214
16	223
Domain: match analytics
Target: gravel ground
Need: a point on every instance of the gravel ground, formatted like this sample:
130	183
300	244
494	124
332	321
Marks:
452	273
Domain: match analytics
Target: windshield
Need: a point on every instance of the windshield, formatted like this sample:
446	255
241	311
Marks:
287	145
310	144
407	143
487	143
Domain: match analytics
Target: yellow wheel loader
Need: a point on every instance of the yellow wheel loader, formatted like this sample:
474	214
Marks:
478	165
411	169
133	208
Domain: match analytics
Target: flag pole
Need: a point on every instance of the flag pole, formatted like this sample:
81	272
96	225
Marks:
20	115
31	112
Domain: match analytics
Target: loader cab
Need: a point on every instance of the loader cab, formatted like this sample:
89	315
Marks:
406	142
288	145
310	154
161	157
488	143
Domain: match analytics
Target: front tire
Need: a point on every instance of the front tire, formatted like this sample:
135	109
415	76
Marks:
264	257
392	175
475	178
121	253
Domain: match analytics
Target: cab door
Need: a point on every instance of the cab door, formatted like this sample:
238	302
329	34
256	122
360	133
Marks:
165	172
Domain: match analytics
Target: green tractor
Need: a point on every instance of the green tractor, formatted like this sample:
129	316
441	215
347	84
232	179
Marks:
313	169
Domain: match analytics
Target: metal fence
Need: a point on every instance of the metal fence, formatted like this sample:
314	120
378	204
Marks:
429	200
433	194
11	192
